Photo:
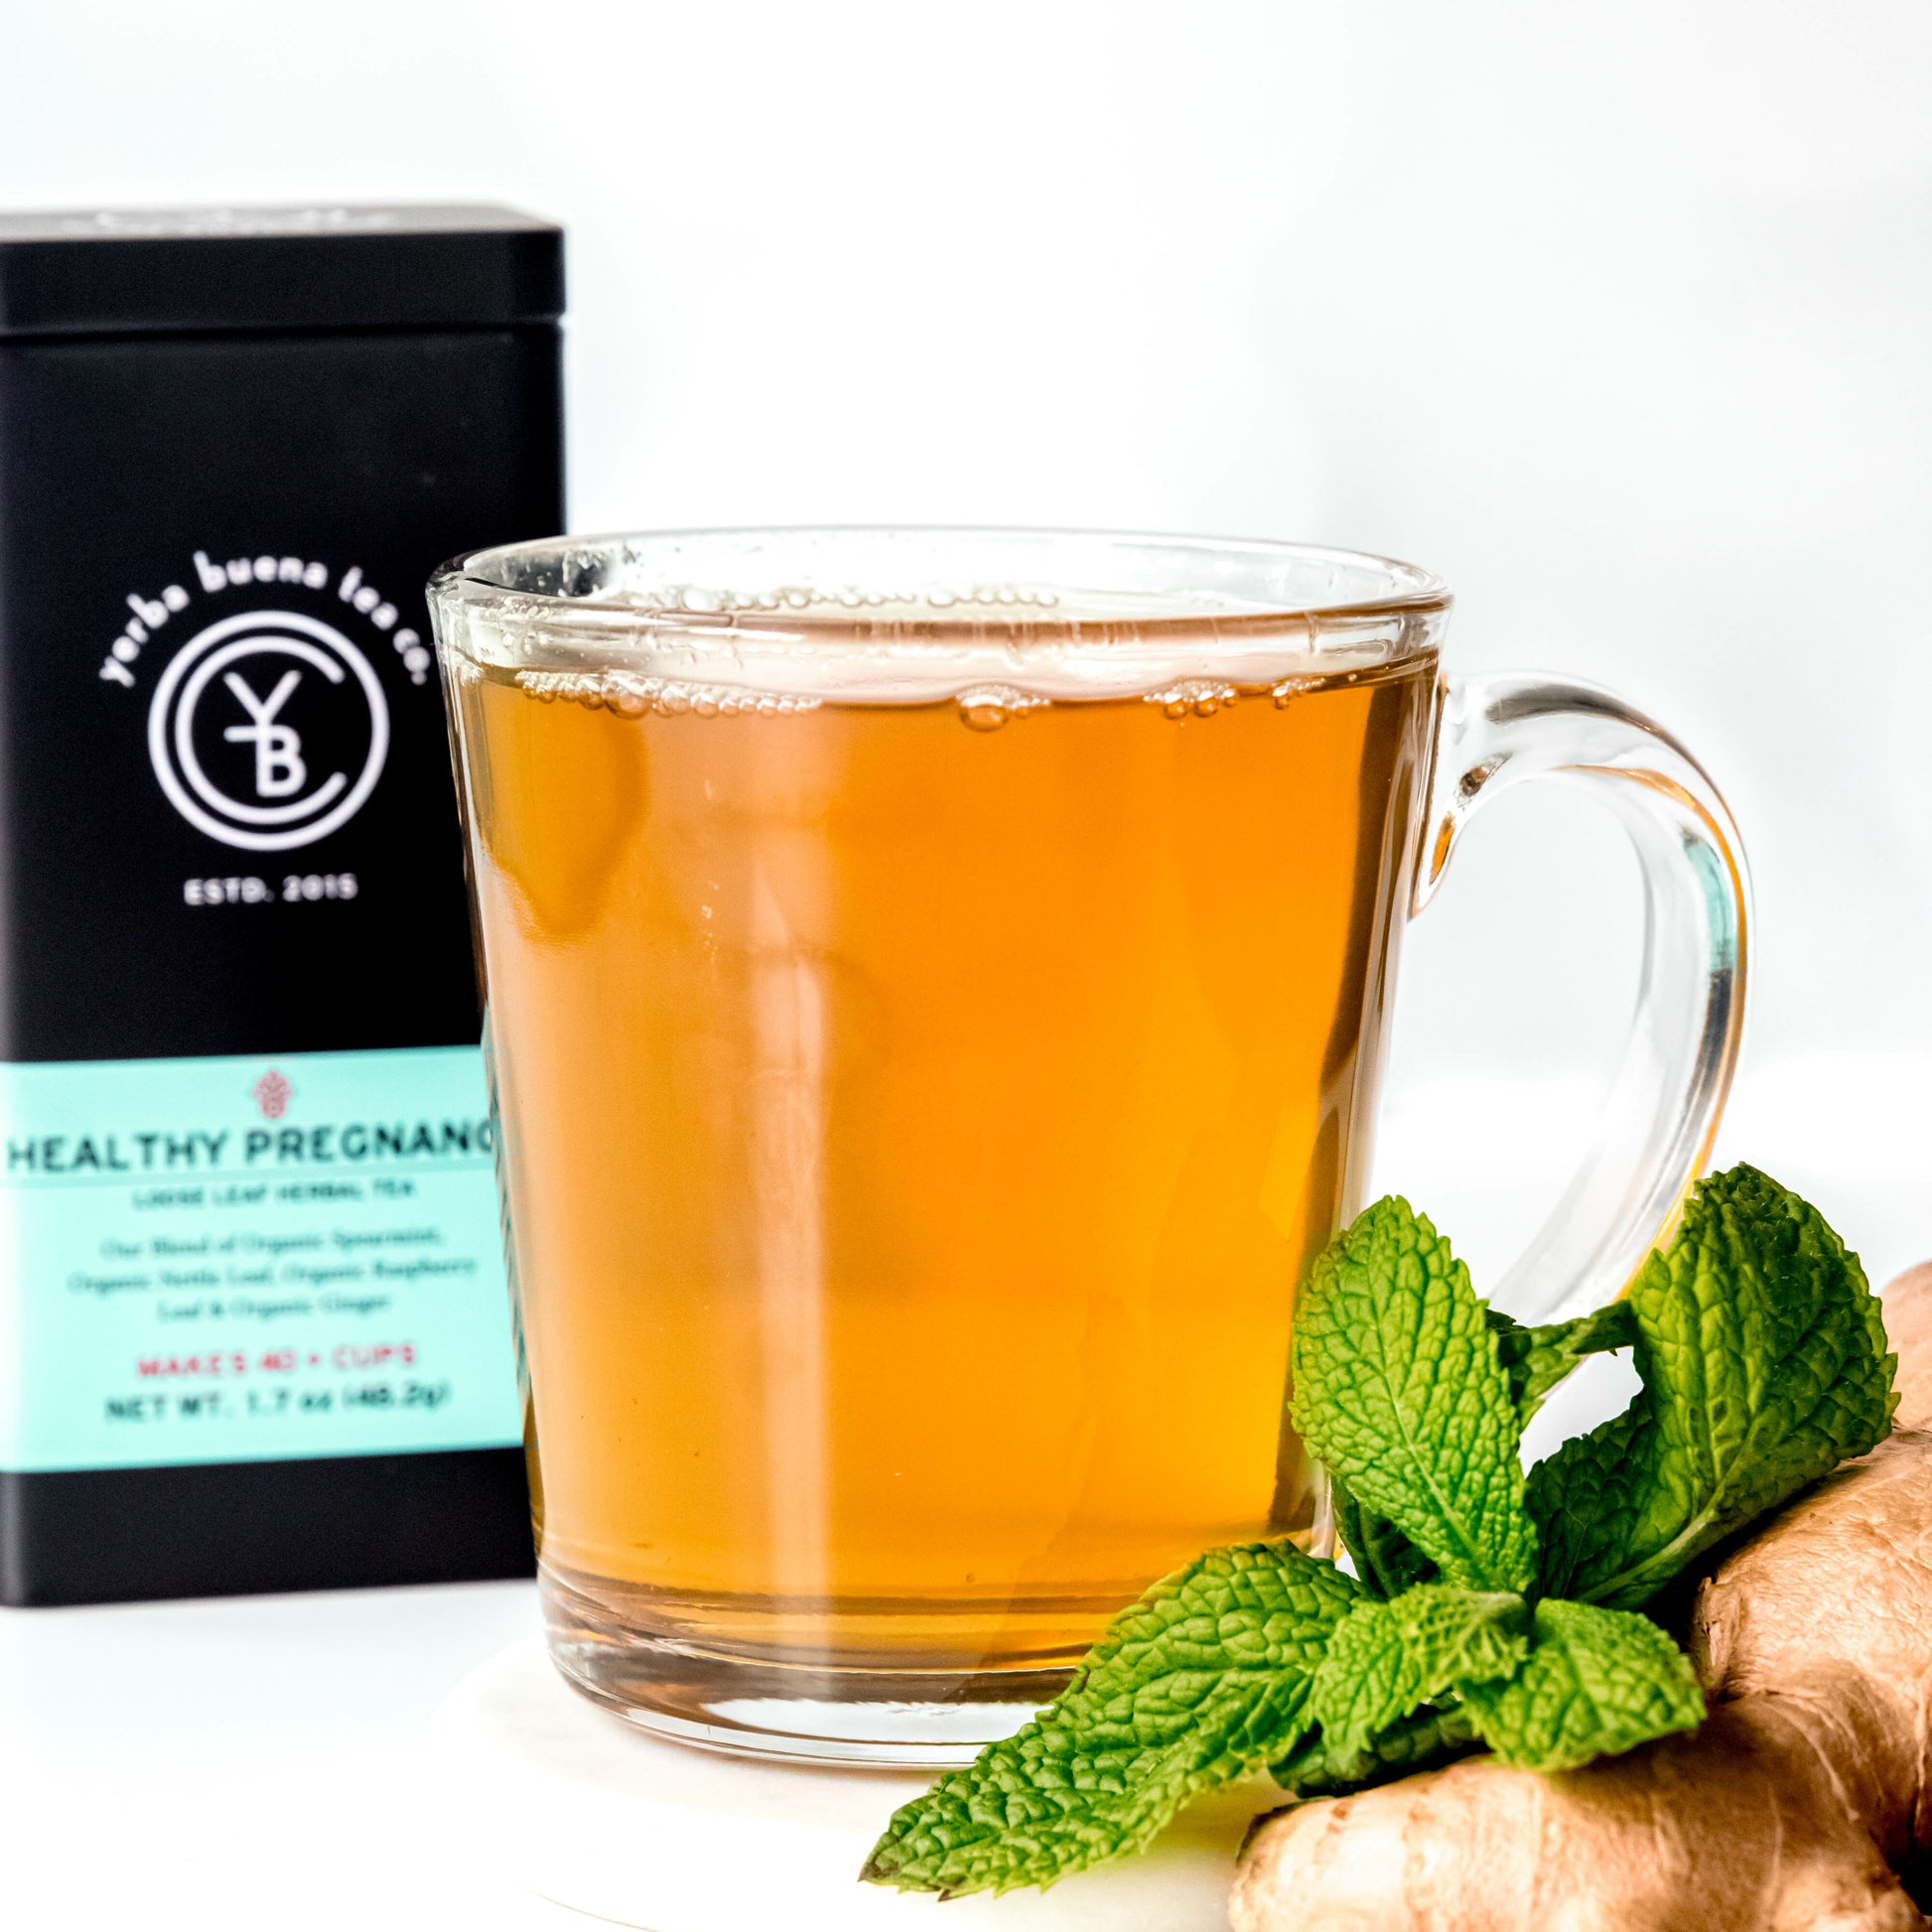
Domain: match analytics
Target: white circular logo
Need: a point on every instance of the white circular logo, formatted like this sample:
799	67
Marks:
268	731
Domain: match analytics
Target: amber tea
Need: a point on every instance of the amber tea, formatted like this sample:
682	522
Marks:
919	1116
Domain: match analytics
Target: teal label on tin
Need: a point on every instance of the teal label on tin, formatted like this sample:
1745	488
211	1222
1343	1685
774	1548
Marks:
246	1260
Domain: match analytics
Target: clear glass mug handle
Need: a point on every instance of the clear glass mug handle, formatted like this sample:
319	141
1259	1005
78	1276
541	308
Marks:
1662	1114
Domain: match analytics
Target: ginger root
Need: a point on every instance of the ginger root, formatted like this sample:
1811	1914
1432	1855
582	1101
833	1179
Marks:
1790	1809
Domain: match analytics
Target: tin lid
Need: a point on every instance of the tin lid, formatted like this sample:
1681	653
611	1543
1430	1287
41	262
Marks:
138	272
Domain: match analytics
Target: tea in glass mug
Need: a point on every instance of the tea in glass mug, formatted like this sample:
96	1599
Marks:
937	987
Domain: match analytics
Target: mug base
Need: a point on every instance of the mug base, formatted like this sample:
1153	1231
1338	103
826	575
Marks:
879	1721
799	1709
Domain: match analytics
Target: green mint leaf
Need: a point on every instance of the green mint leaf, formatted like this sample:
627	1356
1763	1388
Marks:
1597	1682
1399	1391
1385	1560
1425	1738
1763	1361
1204	1680
1387	1660
1592	1499
1537	1359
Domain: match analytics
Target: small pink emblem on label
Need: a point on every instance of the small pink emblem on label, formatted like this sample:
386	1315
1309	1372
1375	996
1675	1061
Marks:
272	1094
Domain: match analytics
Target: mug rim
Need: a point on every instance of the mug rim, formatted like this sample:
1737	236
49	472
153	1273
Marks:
1406	588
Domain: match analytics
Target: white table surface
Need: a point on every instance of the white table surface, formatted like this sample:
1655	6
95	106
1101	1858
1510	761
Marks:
256	1762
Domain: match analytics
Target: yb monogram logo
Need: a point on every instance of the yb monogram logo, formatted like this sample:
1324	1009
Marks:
279	770
269	730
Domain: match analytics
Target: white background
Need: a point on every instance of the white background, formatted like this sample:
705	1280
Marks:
1620	317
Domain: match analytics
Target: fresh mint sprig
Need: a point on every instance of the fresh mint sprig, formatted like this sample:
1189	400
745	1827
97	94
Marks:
1484	1609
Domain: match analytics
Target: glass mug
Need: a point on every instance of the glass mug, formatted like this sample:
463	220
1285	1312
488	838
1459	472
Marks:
937	987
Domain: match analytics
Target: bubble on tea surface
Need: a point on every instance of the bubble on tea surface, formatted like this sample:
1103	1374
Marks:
1291	688
1192	697
684	600
630	696
579	687
986	707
